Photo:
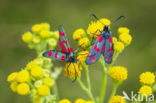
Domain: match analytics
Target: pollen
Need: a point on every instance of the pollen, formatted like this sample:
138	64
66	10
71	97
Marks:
23	76
27	37
43	90
23	89
145	90
78	34
82	56
12	77
84	43
45	33
125	38
123	30
64	101
118	46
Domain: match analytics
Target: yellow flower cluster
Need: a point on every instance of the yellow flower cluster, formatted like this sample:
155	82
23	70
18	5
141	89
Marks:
80	36
79	100
145	90
117	99
147	78
95	28
33	75
41	33
118	73
82	55
72	70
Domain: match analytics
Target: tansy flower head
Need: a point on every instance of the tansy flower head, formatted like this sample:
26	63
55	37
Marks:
31	65
45	26
123	30
78	34
45	33
147	78
36	39
27	37
82	56
38	61
114	39
48	81
105	21
145	90
117	99
52	42
37	99
43	90
36	28
36	71
13	86
125	38
23	76
23	89
118	73
64	101
55	34
79	100
118	46
72	70
38	83
12	77
84	43
94	29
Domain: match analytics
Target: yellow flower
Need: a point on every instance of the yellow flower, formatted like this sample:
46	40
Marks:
118	46
94	29
147	78
36	39
114	39
45	26
70	69
46	73
48	81
118	72
45	33
89	102
36	71
105	21
125	38
27	37
84	43
36	28
37	99
43	90
23	89
12	77
80	101
64	101
31	65
52	42
123	30
38	83
78	34
145	90
23	76
117	99
55	34
13	86
82	56
38	61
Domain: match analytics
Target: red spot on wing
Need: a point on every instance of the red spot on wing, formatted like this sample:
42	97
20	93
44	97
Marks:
90	54
49	53
100	39
96	49
109	49
111	55
64	41
110	39
61	33
63	48
93	59
63	58
56	54
70	49
103	48
107	59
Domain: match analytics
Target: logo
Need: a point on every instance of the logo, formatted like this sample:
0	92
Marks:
138	97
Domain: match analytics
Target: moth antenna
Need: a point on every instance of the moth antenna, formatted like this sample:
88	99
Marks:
117	19
96	18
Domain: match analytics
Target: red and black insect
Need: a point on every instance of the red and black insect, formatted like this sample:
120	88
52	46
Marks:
103	44
67	54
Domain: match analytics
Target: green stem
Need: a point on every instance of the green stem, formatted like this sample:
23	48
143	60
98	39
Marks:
104	80
87	76
86	90
56	91
114	90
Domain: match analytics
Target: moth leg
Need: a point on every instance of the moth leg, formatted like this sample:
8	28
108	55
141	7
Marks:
75	74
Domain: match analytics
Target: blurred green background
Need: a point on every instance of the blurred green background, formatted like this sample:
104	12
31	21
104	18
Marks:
17	17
